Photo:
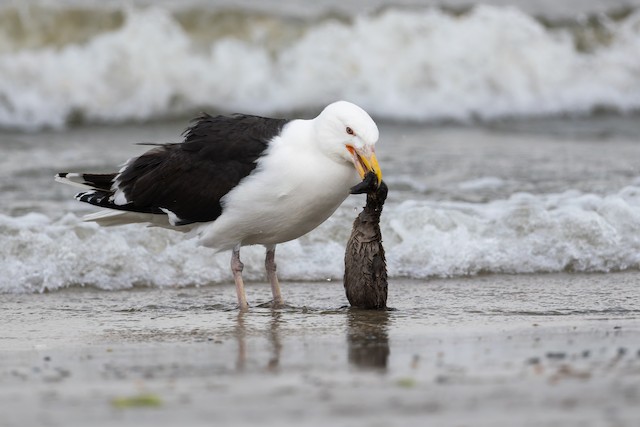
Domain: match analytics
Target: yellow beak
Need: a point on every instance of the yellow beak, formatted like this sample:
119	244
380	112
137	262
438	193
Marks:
365	163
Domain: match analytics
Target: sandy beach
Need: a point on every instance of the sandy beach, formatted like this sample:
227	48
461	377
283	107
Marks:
540	350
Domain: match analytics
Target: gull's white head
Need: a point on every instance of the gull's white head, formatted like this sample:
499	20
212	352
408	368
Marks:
347	133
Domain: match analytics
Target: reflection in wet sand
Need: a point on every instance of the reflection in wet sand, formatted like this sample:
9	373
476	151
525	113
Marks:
241	336
272	335
368	338
366	331
274	339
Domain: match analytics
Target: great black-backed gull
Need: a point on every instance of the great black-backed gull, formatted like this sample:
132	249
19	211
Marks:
241	180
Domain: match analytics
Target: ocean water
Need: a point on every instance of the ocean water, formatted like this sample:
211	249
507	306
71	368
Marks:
509	136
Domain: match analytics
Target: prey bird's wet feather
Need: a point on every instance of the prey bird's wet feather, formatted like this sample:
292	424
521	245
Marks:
365	273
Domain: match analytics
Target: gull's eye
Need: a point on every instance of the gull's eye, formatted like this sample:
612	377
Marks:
350	131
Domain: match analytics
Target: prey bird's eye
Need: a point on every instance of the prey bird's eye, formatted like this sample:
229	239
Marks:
350	131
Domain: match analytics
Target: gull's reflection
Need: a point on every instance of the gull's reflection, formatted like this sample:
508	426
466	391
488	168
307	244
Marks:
272	335
274	340
368	338
241	336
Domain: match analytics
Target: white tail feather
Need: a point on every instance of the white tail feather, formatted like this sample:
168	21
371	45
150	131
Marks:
112	217
73	179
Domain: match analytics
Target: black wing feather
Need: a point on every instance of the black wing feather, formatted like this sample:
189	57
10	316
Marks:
191	177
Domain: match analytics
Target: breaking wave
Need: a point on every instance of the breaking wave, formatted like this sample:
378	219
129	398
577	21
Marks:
524	233
139	63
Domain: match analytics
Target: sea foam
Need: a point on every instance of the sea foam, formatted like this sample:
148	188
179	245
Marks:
524	233
409	64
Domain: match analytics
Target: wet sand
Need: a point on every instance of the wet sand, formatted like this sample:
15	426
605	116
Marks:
539	350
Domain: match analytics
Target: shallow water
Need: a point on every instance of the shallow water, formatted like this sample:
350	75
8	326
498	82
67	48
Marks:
437	306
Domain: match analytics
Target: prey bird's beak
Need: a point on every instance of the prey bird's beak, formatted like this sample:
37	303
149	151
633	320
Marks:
365	162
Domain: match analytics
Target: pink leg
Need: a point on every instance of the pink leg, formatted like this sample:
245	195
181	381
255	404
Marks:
236	268
270	265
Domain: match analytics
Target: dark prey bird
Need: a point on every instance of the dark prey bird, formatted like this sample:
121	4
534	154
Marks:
365	272
241	180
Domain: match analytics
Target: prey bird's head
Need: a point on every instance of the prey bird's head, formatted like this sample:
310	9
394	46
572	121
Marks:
376	192
350	134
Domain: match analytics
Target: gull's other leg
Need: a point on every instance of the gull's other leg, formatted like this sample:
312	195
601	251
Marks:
270	265
236	268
